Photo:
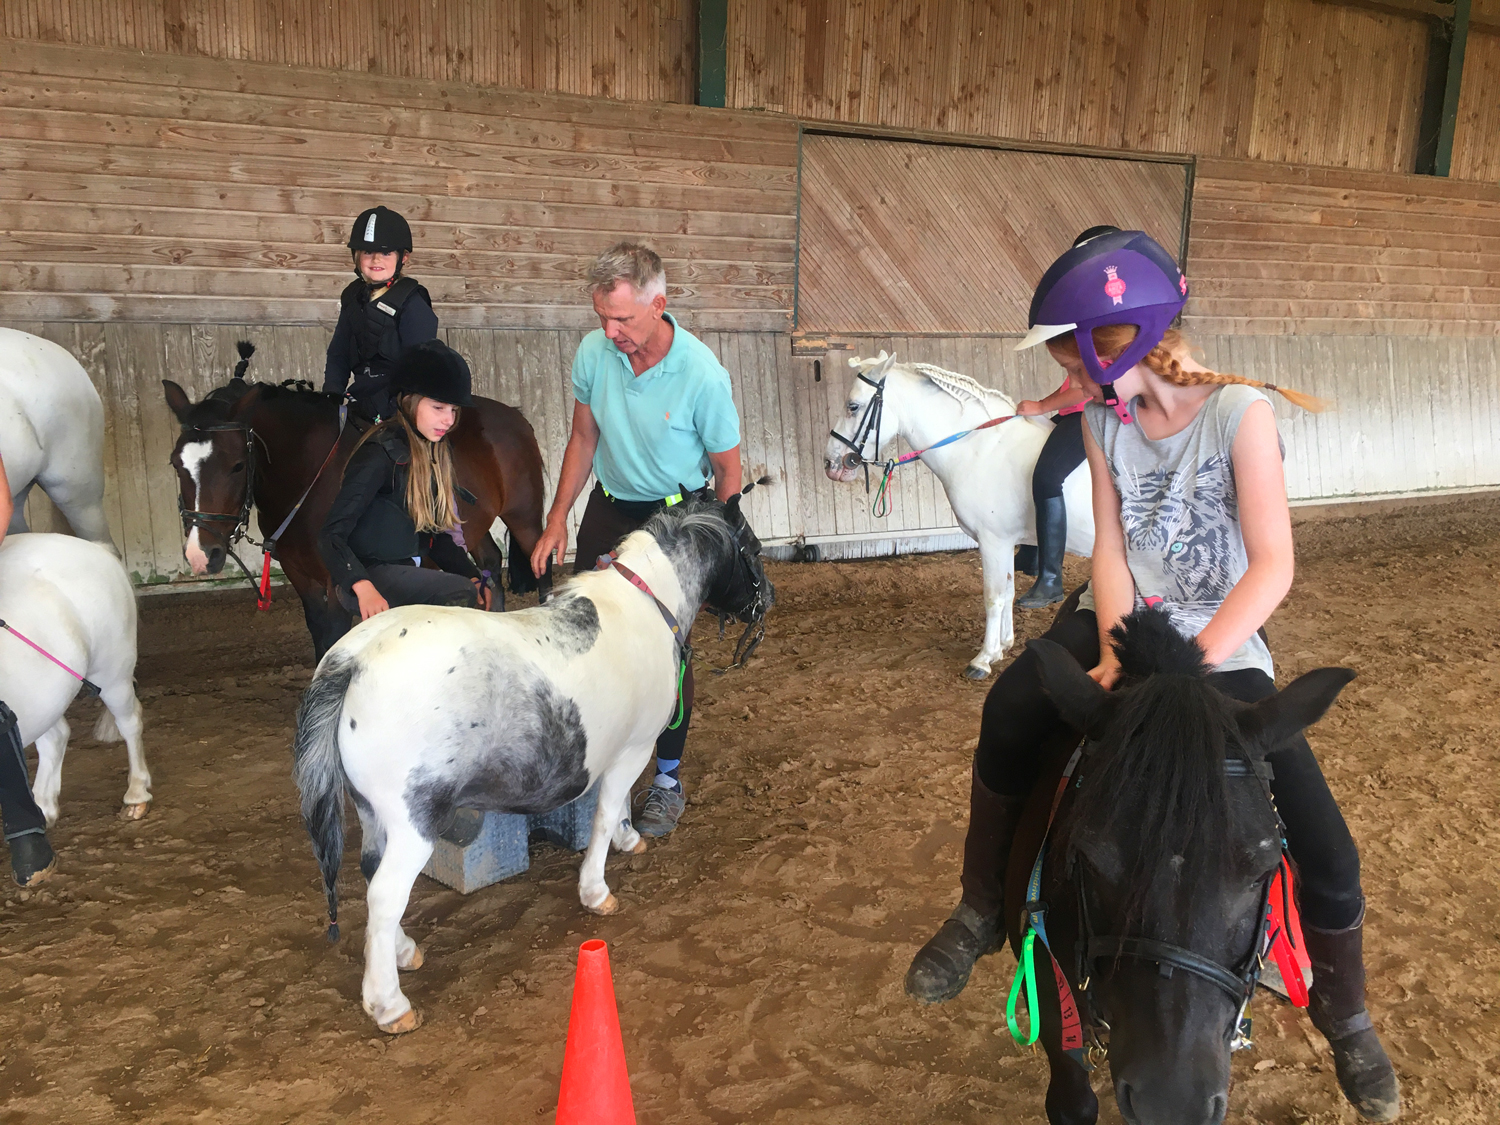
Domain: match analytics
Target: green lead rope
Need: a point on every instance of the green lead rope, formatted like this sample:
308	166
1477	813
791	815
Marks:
1025	972
687	654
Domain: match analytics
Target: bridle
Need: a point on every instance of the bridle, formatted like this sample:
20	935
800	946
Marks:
869	425
239	522
1081	1013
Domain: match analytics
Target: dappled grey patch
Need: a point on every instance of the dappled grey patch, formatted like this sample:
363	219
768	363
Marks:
573	624
525	755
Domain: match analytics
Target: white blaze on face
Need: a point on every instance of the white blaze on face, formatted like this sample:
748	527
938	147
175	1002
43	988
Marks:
193	455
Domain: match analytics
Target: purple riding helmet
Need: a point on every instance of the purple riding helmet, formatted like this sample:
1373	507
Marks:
1116	277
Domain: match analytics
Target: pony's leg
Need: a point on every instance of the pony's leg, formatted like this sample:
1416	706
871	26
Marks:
125	709
998	563
18	513
82	502
387	948
1070	1097
50	748
614	793
625	838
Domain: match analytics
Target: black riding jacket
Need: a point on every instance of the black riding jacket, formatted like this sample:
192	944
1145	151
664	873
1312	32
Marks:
368	524
370	336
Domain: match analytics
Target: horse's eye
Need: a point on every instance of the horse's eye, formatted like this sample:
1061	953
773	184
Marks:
854	408
239	467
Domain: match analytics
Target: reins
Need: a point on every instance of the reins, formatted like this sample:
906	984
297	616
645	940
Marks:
683	639
869	423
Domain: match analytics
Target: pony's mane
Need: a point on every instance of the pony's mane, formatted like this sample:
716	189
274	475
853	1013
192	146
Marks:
218	404
1155	780
695	523
963	388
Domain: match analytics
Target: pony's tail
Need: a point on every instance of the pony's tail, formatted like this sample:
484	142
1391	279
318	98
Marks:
320	773
246	350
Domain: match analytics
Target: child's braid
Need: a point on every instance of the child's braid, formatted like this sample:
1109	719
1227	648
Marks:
1164	363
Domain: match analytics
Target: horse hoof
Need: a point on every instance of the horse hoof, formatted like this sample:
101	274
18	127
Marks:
135	812
640	846
402	1024
974	672
607	907
414	961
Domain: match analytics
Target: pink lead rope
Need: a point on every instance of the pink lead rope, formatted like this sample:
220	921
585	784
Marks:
88	686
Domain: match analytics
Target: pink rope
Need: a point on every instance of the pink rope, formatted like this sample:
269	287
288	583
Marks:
22	636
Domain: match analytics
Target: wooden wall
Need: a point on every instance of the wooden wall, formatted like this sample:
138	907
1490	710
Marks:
641	49
189	190
903	237
1298	80
1316	251
1476	143
1413	415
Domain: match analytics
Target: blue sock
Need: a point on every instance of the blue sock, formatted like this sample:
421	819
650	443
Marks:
666	774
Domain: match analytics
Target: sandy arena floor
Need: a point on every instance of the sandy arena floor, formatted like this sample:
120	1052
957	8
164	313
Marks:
176	971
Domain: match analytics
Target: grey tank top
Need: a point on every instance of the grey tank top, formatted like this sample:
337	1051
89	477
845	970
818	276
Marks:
1180	513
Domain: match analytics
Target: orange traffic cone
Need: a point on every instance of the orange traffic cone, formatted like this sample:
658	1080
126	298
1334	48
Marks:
595	1084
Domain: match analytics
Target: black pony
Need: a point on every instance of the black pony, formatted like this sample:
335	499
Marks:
1155	877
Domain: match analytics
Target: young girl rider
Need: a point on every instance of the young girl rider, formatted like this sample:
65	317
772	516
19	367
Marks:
396	500
1062	453
380	313
1190	508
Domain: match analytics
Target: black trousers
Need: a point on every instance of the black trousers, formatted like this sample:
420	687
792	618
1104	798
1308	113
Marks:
605	522
415	585
1020	729
1060	456
18	809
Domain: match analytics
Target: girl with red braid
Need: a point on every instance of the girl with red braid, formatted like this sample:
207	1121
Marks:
1190	513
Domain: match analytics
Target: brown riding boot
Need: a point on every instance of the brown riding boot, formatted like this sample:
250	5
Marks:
941	967
1337	1008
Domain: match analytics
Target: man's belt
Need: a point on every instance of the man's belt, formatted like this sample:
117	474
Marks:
676	498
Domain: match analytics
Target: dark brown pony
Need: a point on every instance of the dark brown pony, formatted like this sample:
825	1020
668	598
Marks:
266	444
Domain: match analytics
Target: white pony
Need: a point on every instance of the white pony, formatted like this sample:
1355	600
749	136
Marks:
74	600
424	709
52	432
987	475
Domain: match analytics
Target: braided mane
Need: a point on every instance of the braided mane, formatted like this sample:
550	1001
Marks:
963	388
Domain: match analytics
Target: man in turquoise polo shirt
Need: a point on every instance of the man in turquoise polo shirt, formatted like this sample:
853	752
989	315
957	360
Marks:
653	414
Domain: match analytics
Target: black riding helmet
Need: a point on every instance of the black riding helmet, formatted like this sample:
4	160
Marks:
381	231
433	370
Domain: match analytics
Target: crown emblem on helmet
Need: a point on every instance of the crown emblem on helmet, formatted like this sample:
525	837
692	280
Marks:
1115	286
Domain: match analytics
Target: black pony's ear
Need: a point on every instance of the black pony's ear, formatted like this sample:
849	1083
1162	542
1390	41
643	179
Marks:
1082	703
178	400
1267	725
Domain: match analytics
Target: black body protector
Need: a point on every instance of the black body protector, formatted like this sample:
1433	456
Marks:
375	343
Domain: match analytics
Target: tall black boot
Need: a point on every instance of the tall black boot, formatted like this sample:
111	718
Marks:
1051	542
1337	1008
941	967
31	856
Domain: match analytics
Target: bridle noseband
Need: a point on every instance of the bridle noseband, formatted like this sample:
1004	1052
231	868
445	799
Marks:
869	424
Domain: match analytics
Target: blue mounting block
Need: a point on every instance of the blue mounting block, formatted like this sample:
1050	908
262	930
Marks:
483	848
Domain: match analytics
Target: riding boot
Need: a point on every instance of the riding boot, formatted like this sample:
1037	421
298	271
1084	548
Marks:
941	967
1337	1008
25	829
1051	542
1026	559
